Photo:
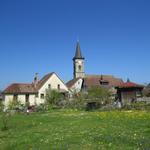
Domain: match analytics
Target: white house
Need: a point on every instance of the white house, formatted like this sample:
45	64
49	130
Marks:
35	92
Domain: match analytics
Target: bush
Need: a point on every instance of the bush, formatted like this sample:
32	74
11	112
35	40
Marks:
99	95
77	102
42	107
137	106
53	97
4	117
94	98
15	105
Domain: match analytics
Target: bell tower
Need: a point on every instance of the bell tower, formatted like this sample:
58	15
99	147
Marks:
78	63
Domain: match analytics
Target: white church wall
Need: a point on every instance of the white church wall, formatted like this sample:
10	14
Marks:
77	86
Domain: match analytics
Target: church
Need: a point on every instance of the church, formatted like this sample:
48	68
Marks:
81	80
124	91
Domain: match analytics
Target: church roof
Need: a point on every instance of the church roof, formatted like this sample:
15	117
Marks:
107	81
78	54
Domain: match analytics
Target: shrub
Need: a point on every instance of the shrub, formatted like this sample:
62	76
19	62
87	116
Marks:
137	106
77	102
4	117
94	98
99	95
15	105
53	97
42	107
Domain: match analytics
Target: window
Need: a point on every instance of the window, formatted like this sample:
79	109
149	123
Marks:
58	86
49	86
27	97
138	93
42	96
104	82
15	97
80	67
36	95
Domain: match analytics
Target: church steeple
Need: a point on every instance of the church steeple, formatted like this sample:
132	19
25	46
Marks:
78	54
78	63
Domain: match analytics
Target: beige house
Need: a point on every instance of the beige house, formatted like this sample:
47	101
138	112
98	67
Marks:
35	92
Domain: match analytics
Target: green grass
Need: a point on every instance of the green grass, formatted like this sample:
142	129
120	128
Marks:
77	130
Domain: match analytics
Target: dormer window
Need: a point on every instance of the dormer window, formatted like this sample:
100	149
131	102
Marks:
104	82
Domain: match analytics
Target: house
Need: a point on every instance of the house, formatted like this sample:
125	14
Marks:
129	92
34	93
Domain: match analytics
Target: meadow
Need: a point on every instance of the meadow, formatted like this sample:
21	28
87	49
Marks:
77	130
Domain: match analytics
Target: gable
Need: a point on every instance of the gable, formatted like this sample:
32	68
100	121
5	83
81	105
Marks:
53	81
75	85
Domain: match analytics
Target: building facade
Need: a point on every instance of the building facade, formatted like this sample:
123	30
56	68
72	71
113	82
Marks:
34	93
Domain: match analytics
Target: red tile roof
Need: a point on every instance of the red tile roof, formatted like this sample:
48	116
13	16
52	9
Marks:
22	88
96	80
130	85
43	80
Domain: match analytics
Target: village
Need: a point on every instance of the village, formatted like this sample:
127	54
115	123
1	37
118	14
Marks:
35	93
74	75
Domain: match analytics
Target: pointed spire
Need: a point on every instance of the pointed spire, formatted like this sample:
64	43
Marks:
128	80
78	54
101	77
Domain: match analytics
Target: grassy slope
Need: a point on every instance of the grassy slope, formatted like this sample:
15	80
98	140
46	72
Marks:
67	129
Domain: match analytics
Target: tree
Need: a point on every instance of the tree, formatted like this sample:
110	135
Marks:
53	97
98	94
4	117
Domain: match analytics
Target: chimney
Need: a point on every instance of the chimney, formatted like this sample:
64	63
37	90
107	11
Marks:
36	80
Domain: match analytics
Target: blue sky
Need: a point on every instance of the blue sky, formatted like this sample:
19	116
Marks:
40	36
